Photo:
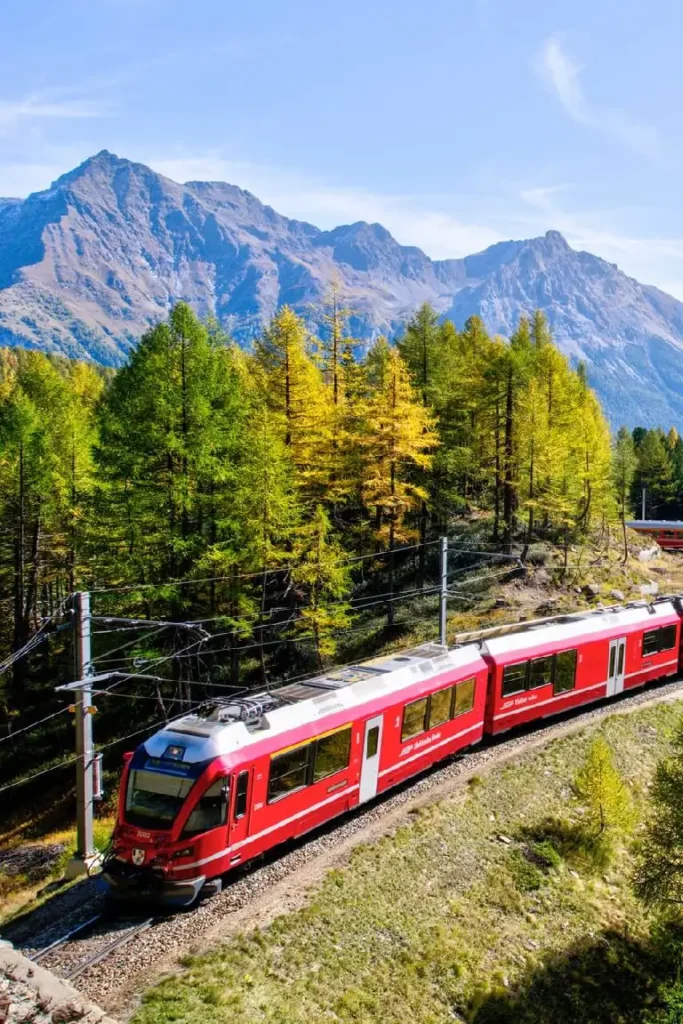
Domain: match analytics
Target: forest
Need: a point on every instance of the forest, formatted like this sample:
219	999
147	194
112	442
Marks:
261	501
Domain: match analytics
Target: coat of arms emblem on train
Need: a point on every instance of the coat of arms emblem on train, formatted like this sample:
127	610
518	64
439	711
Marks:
138	857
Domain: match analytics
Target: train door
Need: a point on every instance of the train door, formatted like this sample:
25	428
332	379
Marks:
369	772
241	804
617	666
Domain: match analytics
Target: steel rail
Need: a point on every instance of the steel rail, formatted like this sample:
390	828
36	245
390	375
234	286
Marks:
111	947
91	922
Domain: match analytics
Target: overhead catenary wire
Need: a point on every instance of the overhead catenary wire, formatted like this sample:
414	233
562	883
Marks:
36	775
253	575
38	637
369	601
129	643
73	760
359	604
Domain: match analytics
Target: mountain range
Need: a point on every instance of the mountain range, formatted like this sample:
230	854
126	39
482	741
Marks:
88	264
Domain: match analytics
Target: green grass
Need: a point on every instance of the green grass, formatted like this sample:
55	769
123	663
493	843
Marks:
447	920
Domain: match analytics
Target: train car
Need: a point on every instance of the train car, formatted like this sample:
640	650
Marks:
220	787
668	533
545	670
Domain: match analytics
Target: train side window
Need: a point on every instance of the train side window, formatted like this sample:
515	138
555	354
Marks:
372	743
288	772
650	643
440	707
514	678
464	697
211	810
241	795
540	672
414	716
667	638
332	754
565	671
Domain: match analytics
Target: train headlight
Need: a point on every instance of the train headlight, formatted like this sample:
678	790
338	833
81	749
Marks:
187	851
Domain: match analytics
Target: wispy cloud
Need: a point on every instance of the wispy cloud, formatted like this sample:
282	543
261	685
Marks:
563	76
42	106
542	197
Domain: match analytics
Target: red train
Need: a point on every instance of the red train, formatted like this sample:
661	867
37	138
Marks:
668	533
217	788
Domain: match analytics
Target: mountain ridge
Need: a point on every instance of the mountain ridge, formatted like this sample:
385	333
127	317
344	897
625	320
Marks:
89	263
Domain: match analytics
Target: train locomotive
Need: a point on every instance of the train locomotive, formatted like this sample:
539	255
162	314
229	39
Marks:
216	788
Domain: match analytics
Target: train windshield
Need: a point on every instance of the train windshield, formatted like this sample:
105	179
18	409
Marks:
154	799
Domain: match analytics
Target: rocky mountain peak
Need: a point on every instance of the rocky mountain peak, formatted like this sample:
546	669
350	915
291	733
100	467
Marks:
555	241
87	265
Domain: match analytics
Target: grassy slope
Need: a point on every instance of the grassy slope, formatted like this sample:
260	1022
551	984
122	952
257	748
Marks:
445	920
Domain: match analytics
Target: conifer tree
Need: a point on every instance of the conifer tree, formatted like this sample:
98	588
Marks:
600	788
322	581
338	441
654	473
400	436
624	464
166	456
35	492
265	511
334	318
399	439
300	401
424	357
421	352
514	372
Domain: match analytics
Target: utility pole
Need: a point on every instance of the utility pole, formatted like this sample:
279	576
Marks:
443	593
644	495
88	763
86	855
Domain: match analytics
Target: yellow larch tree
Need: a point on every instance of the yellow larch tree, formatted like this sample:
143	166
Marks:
400	436
300	400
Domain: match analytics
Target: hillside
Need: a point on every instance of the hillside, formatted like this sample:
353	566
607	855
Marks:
88	264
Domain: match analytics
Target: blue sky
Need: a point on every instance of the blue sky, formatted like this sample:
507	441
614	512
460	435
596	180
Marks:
455	123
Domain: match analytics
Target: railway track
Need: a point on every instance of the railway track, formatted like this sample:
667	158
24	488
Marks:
89	943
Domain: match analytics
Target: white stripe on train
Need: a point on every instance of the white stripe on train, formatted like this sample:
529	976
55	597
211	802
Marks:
584	689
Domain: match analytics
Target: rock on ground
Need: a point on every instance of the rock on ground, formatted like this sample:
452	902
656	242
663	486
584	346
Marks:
31	995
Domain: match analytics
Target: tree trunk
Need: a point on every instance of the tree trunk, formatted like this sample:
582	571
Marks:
422	549
496	493
20	634
530	521
390	603
508	489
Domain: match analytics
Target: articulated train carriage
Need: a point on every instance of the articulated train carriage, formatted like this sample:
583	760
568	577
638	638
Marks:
216	788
